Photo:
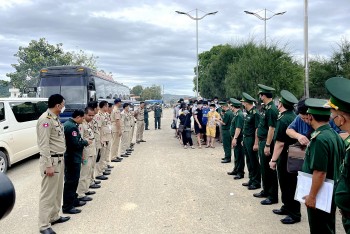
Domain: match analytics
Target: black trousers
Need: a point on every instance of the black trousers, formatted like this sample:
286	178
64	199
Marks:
157	122
186	137
146	123
71	181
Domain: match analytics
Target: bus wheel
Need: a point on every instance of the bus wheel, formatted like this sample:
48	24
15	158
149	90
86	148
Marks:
3	162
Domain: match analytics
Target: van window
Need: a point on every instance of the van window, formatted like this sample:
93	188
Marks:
2	111
28	111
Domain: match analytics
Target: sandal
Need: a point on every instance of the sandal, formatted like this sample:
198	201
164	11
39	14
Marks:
212	146
207	146
192	147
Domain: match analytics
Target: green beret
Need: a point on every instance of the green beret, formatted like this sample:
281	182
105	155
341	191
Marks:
265	89
339	89
317	106
235	102
247	98
287	98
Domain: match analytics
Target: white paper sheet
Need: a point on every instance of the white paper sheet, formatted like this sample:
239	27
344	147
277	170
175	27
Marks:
324	196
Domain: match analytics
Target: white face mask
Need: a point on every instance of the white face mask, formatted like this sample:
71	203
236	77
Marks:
63	108
212	110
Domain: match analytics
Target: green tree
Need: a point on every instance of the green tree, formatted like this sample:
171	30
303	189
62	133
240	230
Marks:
153	92
341	59
320	70
82	59
4	88
137	90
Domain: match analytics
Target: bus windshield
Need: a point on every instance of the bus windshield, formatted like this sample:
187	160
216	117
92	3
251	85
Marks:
71	88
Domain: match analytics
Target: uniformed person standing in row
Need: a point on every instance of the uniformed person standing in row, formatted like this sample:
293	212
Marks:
116	130
250	142
132	123
268	119
339	89
287	181
157	116
146	110
225	128
72	162
236	132
323	157
89	155
52	145
140	118
126	128
105	129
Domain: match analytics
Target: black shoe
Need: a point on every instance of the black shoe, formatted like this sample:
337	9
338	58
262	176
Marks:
116	160
260	195
106	173
90	193
253	187
159	128
97	182
95	186
110	167
226	161
80	203
232	173
72	211
48	231
238	177
130	149
142	141
124	155
222	158
268	202
147	129
107	170
102	177
86	198
61	220
137	142
246	184
279	212
289	220
119	158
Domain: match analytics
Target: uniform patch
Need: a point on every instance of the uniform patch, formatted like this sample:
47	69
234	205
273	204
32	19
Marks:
45	125
74	133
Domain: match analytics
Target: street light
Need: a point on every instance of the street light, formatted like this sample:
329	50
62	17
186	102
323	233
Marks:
196	19
264	18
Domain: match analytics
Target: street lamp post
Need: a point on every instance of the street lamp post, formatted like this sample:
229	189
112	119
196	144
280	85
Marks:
196	19
264	18
306	49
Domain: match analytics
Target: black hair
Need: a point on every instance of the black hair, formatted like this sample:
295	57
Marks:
215	98
88	108
78	113
125	105
268	95
93	104
110	104
200	102
54	100
321	118
288	107
301	107
212	105
102	104
141	102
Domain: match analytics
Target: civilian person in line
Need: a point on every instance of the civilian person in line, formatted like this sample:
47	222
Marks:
185	120
213	119
198	124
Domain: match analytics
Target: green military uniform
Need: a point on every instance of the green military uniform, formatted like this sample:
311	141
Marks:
72	161
338	88
146	118
157	116
226	136
287	181
251	123
238	122
324	153
268	118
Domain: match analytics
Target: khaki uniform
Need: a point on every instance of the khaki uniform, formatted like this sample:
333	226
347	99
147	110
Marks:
126	129
105	137
116	132
140	118
132	124
96	128
52	146
89	155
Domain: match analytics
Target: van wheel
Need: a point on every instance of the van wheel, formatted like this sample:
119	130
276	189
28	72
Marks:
3	162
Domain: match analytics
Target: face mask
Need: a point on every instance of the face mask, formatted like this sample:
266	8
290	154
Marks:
212	110
63	108
215	102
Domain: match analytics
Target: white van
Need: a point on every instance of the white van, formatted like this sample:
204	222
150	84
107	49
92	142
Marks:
18	118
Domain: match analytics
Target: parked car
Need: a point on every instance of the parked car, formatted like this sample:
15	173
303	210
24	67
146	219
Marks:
18	119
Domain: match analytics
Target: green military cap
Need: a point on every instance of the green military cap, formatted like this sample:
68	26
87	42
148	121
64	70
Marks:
235	102
247	98
223	104
287	98
265	89
339	89
317	106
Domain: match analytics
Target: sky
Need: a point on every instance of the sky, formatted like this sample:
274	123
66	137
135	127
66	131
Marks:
145	42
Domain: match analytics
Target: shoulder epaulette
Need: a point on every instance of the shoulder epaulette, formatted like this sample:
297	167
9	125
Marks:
315	134
279	116
268	107
254	111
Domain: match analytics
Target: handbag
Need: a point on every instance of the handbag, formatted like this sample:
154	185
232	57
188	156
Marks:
173	125
296	155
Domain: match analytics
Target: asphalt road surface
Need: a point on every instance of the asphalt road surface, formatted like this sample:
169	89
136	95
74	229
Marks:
161	188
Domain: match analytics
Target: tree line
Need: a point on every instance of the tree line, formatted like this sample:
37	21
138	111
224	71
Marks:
153	92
